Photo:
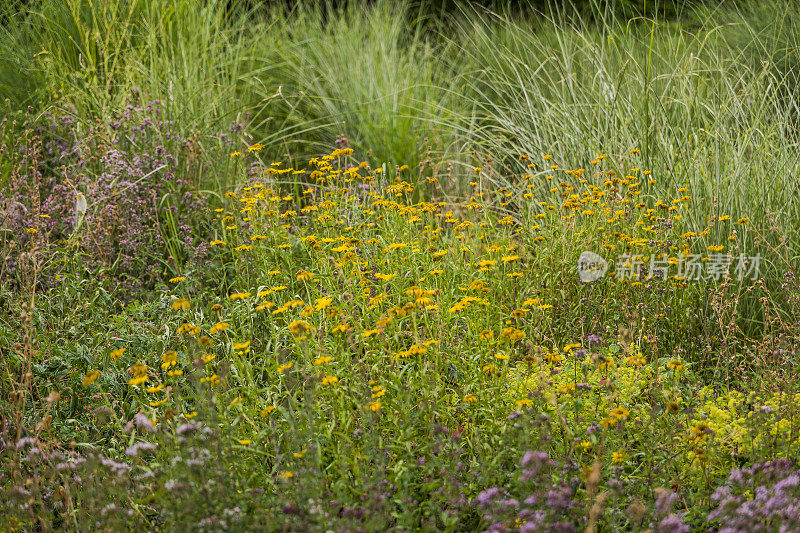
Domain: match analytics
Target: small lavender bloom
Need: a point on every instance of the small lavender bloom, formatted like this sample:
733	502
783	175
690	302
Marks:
138	448
24	441
184	429
142	422
485	497
672	524
665	499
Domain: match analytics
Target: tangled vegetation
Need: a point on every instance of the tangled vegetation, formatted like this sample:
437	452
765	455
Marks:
225	329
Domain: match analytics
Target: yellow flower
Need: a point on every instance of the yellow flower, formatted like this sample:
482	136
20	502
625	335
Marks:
138	380
283	367
299	328
219	327
116	354
241	345
266	411
322	303
240	295
212	380
511	334
90	377
156	389
180	305
245	442
619	457
340	328
288	474
31	231
676	365
322	360
265	305
178	279
375	406
330	380
304	275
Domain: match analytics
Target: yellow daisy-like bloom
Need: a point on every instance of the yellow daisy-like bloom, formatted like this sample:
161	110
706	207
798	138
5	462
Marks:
511	334
676	365
322	303
263	306
240	295
330	380
219	327
241	345
138	380
212	380
178	279
299	328
116	354
375	406
180	304
170	358
266	411
340	328
90	377
322	360
283	367
304	275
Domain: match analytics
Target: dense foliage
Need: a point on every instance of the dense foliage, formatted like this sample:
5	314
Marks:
343	269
